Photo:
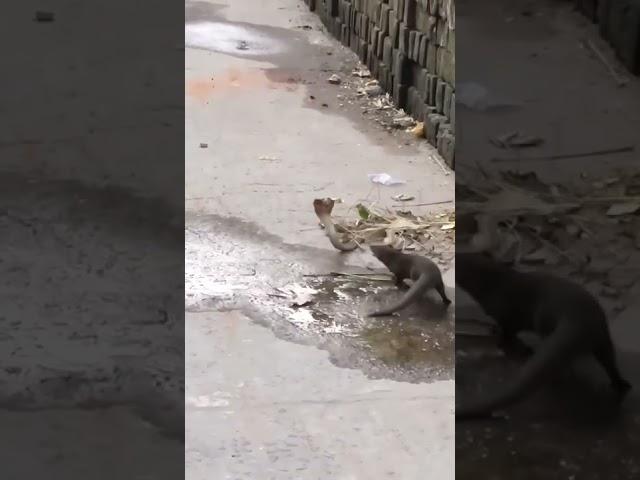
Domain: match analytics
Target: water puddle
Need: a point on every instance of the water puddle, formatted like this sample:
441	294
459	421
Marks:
287	289
228	38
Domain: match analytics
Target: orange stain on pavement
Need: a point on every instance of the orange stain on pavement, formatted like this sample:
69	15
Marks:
232	81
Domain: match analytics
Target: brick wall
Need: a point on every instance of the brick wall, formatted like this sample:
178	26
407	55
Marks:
409	46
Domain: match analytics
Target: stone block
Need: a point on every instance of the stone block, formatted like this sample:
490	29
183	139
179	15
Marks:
422	51
382	76
380	49
416	47
394	27
411	97
440	96
364	28
387	51
346	34
431	88
401	68
421	83
446	148
446	106
403	39
409	14
434	6
452	112
333	7
400	95
442	32
412	41
445	65
384	18
431	123
373	38
363	48
432	60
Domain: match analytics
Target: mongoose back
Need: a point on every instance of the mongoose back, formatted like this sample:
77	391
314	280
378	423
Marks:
569	319
423	272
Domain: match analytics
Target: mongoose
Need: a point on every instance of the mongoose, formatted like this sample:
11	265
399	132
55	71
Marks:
423	272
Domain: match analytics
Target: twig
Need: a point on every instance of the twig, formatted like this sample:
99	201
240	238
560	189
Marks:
365	276
423	204
620	80
594	153
444	169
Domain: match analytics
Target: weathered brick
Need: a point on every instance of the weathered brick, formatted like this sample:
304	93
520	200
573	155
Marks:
411	100
362	50
446	106
442	30
446	142
422	52
451	42
432	60
412	41
432	25
387	51
431	87
440	96
394	27
382	75
384	18
400	95
364	29
403	39
433	7
409	14
416	47
401	67
452	112
432	122
380	49
337	27
421	82
333	7
377	12
373	38
422	16
400	10
445	64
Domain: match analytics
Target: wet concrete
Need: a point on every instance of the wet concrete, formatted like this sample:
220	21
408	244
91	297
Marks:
253	249
259	406
232	265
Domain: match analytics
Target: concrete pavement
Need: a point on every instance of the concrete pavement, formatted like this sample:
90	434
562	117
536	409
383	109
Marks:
320	392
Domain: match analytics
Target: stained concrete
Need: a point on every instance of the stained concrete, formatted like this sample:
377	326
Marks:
317	391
